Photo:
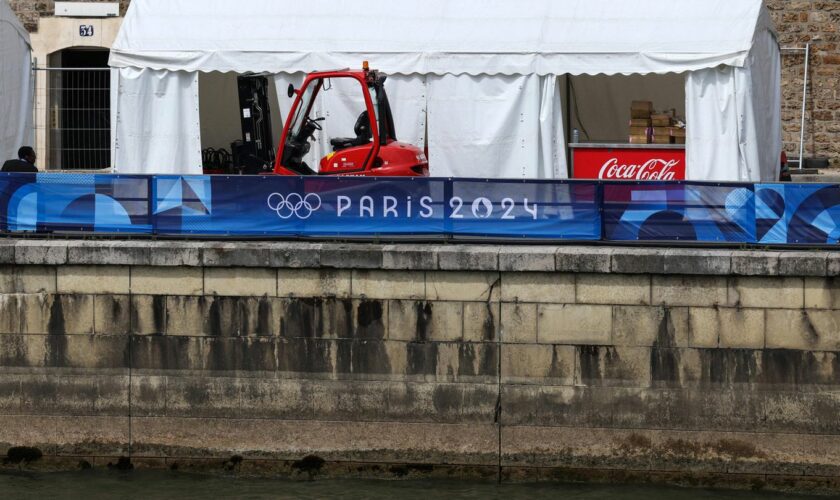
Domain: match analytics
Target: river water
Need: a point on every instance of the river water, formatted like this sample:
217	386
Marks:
181	486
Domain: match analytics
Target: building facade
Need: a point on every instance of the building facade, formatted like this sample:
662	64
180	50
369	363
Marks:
799	22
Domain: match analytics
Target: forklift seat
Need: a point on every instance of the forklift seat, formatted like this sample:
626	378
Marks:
363	135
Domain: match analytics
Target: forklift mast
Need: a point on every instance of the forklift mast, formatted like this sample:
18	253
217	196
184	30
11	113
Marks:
255	153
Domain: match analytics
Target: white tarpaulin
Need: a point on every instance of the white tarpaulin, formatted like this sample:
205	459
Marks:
157	122
15	85
476	37
453	58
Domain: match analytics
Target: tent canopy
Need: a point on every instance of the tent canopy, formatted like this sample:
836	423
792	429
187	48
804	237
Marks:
438	37
15	84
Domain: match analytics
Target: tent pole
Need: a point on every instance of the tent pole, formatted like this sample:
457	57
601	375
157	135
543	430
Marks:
804	103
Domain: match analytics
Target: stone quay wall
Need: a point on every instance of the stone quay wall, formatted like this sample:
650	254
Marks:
713	367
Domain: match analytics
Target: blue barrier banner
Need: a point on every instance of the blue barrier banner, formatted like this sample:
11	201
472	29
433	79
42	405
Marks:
359	206
661	211
798	213
76	202
538	210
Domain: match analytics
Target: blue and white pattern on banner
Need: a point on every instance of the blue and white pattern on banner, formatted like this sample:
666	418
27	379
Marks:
536	210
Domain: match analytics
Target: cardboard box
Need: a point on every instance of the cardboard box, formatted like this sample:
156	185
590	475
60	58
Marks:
640	122
661	131
677	132
639	130
661	139
639	139
660	120
641	109
679	140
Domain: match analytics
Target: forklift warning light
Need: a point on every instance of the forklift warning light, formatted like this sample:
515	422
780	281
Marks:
365	65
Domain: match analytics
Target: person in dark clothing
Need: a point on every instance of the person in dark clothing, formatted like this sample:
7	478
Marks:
25	162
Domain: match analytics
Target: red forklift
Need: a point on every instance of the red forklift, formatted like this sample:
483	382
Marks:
374	151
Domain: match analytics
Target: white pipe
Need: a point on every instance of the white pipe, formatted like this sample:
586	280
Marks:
804	103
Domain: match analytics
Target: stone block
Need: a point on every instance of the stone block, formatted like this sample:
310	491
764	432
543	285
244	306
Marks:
463	286
389	284
694	261
538	364
613	289
637	326
313	283
425	321
638	261
803	264
93	280
240	281
468	258
7	252
728	328
88	352
149	314
239	254
257	316
112	314
160	354
222	355
167	280
689	290
574	324
192	397
785	293
546	287
704	327
519	322
583	259
755	263
822	293
295	254
832	264
482	322
46	253
532	258
108	253
148	395
55	314
370	319
329	318
613	366
409	257
59	395
176	253
27	279
441	402
356	256
802	330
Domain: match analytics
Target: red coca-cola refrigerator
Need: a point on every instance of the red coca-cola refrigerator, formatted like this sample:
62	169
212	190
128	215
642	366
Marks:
628	162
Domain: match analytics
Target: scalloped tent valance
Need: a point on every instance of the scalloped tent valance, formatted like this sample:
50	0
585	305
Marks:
438	37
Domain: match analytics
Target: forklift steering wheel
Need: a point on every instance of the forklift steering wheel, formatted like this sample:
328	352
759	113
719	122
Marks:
314	123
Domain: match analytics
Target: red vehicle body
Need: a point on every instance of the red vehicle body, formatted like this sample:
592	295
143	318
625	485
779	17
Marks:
374	151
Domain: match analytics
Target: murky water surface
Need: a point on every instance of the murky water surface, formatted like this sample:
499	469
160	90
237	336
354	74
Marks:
161	484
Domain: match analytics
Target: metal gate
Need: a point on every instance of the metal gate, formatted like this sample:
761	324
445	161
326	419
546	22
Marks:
75	109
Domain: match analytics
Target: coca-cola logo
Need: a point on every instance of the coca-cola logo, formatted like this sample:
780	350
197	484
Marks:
655	169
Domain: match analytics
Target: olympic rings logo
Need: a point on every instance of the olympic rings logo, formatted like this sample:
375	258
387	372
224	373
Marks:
293	204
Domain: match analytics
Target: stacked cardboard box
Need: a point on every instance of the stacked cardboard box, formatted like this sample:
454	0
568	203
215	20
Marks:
640	122
647	127
661	132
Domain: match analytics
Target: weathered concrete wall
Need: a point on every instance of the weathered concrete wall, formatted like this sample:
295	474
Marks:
678	365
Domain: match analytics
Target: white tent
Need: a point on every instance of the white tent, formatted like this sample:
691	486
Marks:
15	85
483	72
